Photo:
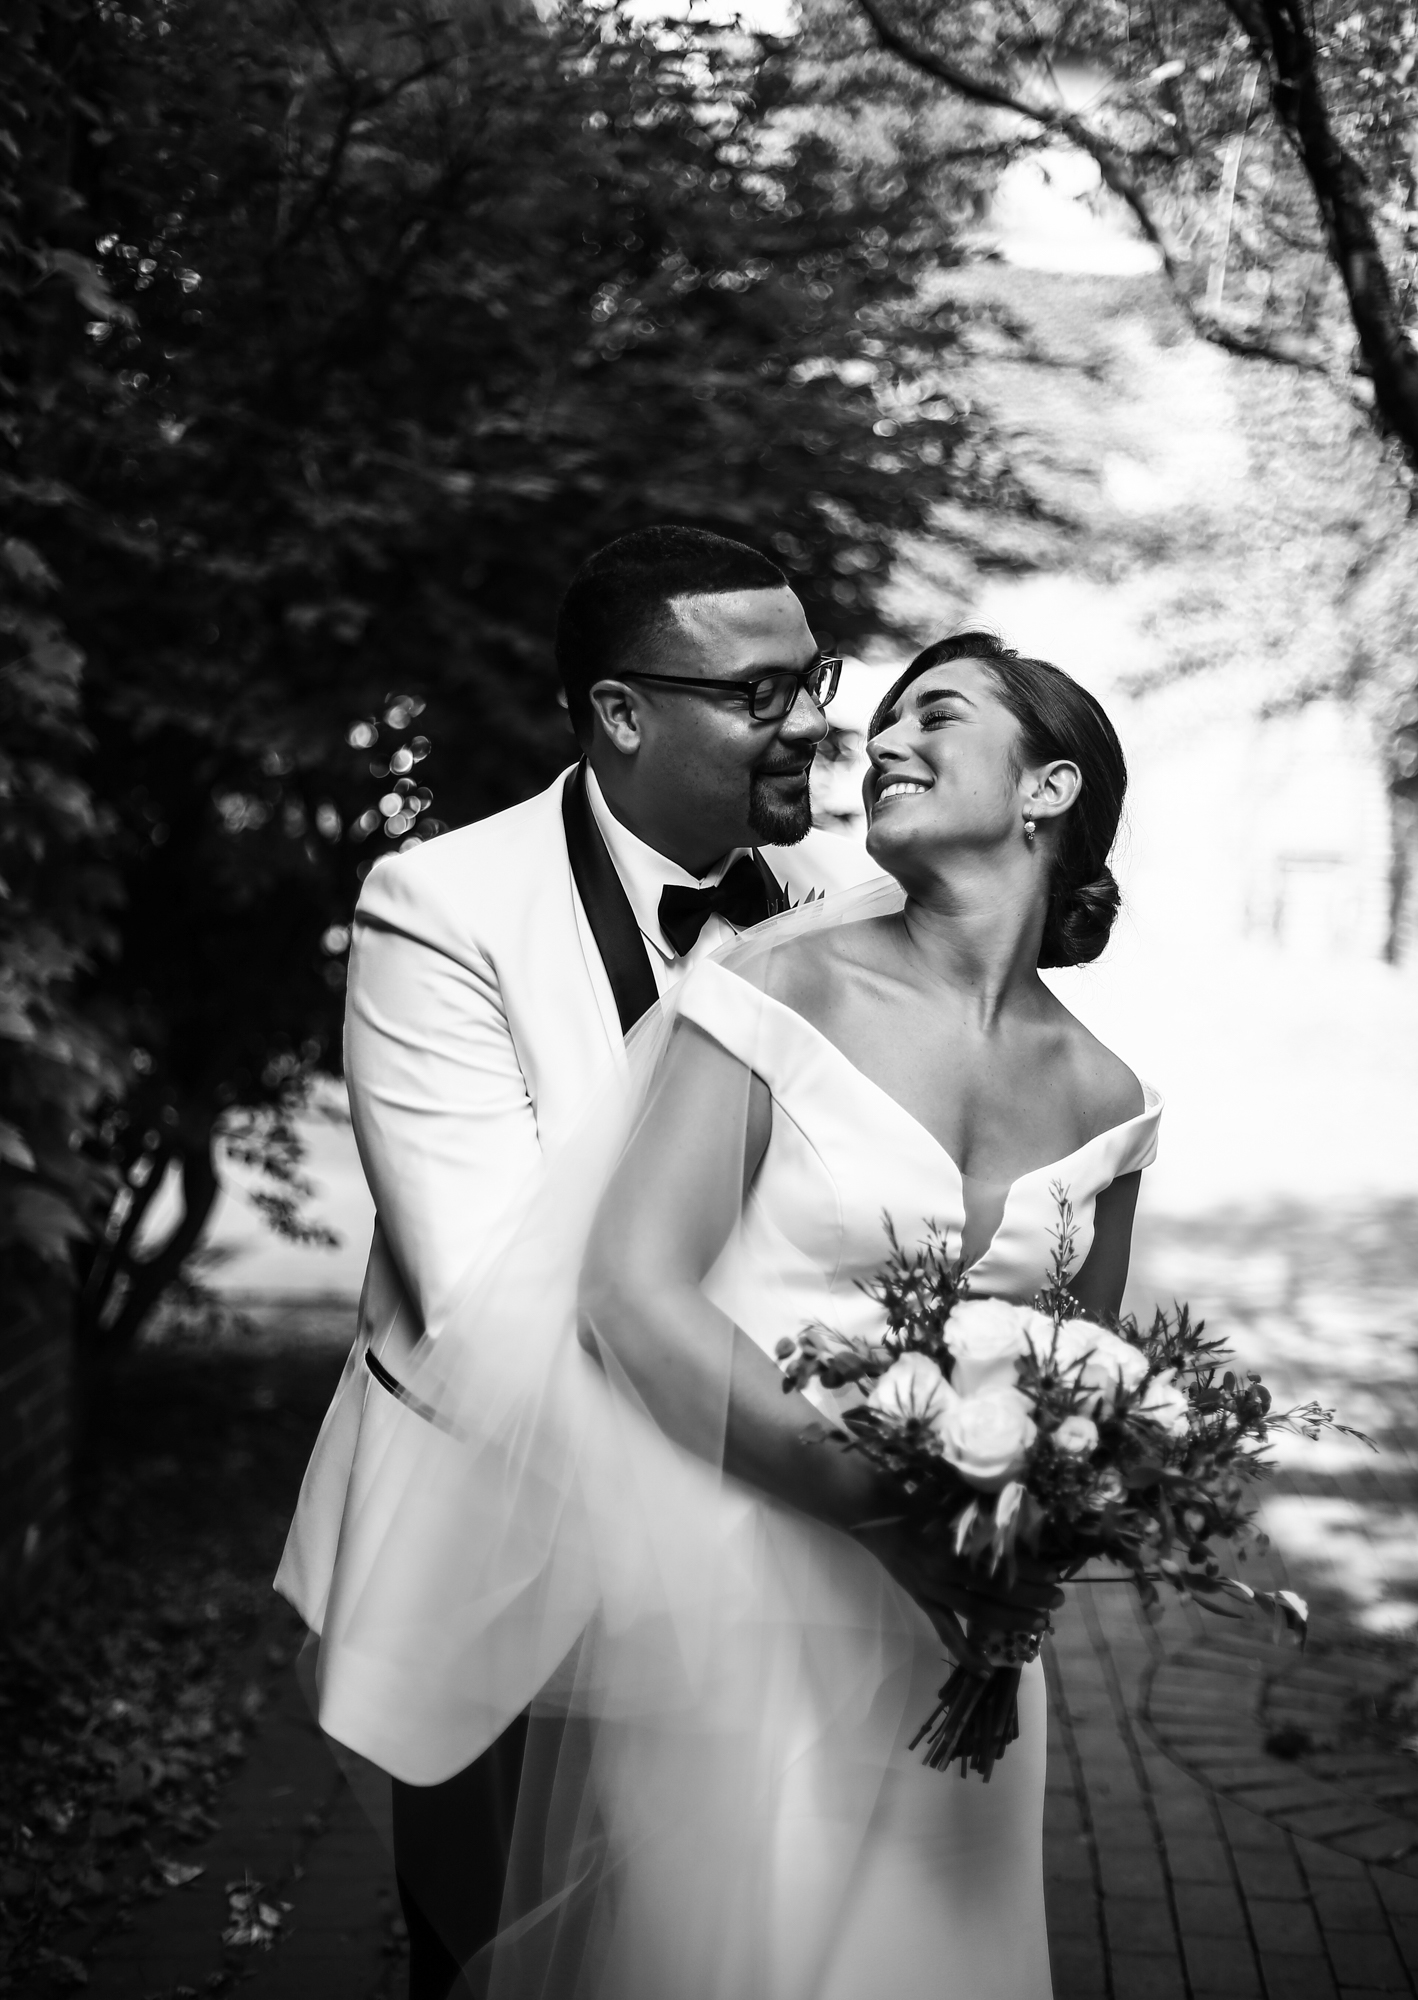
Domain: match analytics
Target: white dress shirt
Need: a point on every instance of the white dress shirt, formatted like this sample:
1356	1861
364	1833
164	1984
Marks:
644	873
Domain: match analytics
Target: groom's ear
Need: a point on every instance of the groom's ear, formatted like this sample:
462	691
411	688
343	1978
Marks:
614	707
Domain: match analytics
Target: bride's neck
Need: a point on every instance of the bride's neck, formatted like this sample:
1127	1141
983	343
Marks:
979	934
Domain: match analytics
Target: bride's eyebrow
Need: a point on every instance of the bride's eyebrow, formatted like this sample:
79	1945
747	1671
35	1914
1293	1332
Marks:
942	694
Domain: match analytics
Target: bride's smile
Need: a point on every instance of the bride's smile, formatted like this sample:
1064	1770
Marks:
899	788
950	774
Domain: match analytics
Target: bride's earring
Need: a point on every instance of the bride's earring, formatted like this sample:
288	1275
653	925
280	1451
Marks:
1029	831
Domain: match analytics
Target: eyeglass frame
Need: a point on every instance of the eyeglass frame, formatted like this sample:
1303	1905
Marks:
747	689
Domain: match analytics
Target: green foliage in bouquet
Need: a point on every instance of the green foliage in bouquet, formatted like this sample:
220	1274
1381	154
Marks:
1006	1428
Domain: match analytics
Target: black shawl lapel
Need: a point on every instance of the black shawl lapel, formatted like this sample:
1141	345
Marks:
607	907
777	895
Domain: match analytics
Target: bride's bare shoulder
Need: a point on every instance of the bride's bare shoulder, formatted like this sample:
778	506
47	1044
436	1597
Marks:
811	971
1111	1090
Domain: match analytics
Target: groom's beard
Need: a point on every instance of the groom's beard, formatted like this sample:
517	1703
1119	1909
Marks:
780	817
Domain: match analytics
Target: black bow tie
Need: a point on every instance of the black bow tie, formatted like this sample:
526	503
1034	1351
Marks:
741	898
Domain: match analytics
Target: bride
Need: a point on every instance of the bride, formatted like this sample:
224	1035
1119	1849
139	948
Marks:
727	1644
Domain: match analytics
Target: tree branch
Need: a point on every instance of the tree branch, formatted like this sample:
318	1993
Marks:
995	149
1116	169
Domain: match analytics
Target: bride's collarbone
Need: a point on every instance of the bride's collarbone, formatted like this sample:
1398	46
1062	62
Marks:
999	1106
1033	1087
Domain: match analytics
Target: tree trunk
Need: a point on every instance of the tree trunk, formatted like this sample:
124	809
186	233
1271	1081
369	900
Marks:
1280	34
1402	943
110	1257
123	1289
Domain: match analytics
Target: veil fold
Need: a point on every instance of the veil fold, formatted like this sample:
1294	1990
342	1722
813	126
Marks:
708	1674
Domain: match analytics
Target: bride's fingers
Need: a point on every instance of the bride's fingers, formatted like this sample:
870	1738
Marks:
980	1610
1035	1596
1039	1587
1032	1599
957	1642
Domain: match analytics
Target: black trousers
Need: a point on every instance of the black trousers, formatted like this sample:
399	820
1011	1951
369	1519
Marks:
451	1843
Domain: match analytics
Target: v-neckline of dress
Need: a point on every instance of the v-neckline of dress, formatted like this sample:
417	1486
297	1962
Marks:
942	1152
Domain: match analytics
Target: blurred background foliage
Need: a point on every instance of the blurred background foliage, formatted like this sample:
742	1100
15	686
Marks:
337	332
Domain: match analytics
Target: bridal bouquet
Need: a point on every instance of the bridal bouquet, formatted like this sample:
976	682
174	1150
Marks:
1005	1428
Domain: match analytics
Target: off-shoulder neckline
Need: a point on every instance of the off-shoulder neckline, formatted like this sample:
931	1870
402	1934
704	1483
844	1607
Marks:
1152	1104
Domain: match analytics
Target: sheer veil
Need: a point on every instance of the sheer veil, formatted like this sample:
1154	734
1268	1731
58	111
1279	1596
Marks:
531	1539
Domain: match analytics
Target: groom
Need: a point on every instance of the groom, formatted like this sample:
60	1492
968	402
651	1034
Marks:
494	974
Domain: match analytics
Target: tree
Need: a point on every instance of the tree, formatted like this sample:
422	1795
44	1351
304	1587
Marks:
56	892
411	310
1268	149
1269	152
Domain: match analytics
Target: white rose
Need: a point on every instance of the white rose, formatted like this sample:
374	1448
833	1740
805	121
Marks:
987	1437
1110	1364
911	1387
1064	1346
1077	1436
1164	1402
988	1339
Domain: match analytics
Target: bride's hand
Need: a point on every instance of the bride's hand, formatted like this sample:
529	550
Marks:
969	1606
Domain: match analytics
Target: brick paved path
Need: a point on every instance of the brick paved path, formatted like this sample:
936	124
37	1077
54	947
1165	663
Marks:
1160	1889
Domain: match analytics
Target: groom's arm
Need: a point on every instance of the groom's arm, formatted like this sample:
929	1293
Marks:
446	1131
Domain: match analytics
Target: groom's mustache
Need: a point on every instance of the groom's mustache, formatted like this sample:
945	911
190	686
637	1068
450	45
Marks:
790	765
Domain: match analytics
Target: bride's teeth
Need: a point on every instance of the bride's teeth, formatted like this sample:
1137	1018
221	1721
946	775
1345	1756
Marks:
899	790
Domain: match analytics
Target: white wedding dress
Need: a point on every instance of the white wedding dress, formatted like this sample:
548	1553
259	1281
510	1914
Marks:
939	1892
719	1801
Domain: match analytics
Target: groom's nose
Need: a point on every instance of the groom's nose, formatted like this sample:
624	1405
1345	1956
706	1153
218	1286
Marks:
805	722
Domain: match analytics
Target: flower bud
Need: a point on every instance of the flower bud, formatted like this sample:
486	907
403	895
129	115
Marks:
1077	1435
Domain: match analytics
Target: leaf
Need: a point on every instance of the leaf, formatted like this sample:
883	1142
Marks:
14	1149
177	1874
41	1220
252	1921
25	562
90	286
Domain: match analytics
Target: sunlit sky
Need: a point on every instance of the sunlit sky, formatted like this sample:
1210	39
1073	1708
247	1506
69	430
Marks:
772	17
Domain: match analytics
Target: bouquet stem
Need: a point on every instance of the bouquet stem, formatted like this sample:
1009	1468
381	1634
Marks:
975	1721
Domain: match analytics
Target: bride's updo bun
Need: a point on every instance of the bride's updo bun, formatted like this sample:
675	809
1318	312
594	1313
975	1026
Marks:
1057	718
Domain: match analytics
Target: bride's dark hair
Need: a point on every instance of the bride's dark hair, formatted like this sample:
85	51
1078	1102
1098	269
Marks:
1057	718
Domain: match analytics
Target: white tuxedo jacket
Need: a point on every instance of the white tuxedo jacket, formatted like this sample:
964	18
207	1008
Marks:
479	1024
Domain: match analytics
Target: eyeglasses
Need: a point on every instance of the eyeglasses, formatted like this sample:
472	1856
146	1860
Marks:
768	697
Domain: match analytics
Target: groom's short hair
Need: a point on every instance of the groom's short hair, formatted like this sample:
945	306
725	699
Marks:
620	598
